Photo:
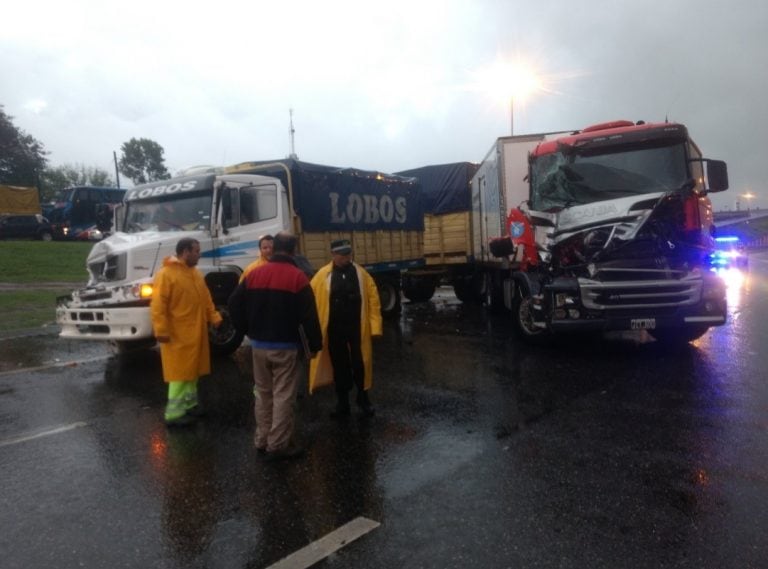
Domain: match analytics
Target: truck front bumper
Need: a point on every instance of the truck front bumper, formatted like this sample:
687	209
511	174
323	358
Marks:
648	305
105	323
645	321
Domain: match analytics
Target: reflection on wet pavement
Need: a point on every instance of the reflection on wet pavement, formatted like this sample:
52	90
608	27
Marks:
31	351
484	452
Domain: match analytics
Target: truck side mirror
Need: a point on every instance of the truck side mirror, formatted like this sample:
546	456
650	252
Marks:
717	175
226	209
117	216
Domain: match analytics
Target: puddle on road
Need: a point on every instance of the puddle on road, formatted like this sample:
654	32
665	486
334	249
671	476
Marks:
29	351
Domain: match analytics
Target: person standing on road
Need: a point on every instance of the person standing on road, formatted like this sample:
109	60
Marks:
350	315
181	310
266	245
276	307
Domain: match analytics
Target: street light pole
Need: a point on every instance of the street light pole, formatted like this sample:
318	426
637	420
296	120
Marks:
748	196
117	172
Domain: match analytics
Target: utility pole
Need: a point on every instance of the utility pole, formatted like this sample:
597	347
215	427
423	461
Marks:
117	172
292	131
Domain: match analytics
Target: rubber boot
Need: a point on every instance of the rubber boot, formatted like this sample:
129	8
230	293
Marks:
364	403
342	406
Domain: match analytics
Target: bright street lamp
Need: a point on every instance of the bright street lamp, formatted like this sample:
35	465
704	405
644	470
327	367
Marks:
511	81
748	196
523	82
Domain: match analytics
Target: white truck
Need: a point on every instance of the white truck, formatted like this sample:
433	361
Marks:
228	213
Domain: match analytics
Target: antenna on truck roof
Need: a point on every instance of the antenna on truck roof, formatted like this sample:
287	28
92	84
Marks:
292	131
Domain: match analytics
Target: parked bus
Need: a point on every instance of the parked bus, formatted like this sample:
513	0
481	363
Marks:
83	212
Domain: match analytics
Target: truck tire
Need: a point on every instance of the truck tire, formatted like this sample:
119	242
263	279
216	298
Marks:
128	347
389	296
470	289
225	339
46	236
479	285
522	317
462	288
419	289
679	336
494	294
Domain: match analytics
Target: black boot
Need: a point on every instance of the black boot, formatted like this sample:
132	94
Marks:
342	406
364	403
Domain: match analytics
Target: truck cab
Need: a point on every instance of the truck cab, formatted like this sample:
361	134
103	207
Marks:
616	233
226	213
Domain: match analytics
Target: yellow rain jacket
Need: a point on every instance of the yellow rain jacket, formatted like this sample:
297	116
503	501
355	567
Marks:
181	309
320	368
256	264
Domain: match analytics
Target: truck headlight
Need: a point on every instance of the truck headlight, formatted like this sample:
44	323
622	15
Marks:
142	290
713	290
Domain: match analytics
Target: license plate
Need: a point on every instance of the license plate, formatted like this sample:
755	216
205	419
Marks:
642	323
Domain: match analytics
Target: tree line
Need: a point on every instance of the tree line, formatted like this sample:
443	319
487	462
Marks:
24	162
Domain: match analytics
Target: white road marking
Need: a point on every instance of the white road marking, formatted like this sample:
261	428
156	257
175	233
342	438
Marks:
55	365
323	547
49	432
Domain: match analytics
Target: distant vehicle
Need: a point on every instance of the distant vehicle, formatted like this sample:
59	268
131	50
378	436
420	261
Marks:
729	253
83	212
25	227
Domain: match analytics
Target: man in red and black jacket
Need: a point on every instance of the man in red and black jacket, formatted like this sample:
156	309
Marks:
276	307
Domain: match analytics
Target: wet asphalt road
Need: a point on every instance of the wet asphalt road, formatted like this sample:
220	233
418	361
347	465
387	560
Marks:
483	453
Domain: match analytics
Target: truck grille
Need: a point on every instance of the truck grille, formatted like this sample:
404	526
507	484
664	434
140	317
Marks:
638	273
646	294
87	295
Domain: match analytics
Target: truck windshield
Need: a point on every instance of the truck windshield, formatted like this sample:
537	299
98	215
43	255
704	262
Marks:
185	212
562	180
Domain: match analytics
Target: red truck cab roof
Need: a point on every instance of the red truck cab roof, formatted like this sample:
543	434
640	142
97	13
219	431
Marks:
613	131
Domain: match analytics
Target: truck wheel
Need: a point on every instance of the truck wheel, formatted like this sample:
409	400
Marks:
225	339
469	289
679	336
494	294
462	288
522	317
480	283
128	347
46	236
389	296
419	289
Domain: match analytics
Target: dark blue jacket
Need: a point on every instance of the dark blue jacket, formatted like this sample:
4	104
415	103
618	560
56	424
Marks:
273	301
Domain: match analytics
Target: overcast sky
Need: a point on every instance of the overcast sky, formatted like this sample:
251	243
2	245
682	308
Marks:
384	86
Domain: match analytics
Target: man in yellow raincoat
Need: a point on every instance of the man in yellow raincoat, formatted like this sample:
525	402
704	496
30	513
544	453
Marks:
181	310
350	315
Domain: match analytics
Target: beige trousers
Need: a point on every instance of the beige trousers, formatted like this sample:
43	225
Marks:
276	376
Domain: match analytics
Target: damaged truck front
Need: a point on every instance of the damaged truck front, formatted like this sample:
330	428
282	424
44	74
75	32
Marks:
616	233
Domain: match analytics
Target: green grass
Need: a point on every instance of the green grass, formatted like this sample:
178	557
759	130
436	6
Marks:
43	262
31	263
22	309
